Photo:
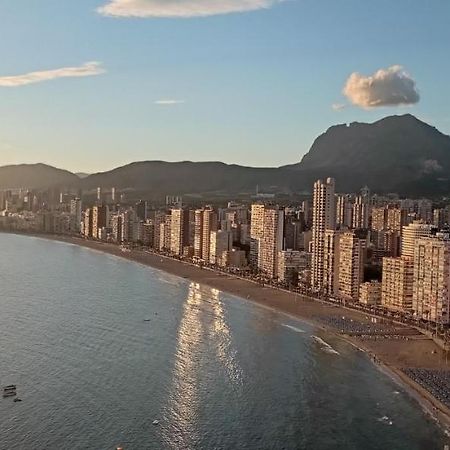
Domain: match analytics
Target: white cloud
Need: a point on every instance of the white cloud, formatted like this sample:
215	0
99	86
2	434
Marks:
85	70
181	8
386	87
338	106
168	102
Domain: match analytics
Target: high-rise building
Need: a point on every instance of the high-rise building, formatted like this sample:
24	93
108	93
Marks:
351	264
344	211
198	233
361	211
177	226
379	218
116	225
395	219
87	222
439	218
75	214
209	225
256	232
221	243
99	219
141	210
330	262
272	241
411	233
205	223
397	283
431	282
324	218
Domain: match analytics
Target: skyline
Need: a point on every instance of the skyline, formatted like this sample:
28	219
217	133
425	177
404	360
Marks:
218	82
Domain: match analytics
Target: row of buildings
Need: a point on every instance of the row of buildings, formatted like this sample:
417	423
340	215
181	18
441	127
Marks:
412	251
356	247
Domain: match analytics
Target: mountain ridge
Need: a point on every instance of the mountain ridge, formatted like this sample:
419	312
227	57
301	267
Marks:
397	153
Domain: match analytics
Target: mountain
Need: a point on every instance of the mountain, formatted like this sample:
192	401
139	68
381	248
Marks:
395	154
35	176
189	177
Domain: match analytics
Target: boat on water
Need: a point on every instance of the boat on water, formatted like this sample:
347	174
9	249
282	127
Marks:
17	399
10	387
9	394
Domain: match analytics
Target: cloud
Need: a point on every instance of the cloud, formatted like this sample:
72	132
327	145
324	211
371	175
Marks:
169	102
386	87
338	106
181	8
85	70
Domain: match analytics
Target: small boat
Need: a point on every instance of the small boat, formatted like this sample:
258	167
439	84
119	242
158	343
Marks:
155	422
9	394
17	399
10	387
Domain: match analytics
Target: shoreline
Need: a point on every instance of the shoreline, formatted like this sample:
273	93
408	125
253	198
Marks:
389	356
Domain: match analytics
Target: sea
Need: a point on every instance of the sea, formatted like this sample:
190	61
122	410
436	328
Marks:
108	353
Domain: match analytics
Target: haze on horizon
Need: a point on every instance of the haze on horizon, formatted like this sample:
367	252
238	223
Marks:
91	85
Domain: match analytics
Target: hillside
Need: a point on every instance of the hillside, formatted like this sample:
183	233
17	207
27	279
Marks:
189	177
35	176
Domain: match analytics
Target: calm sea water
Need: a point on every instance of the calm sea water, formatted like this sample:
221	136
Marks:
100	347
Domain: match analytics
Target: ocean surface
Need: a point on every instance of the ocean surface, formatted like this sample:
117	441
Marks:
101	347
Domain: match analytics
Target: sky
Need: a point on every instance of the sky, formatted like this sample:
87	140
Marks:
88	85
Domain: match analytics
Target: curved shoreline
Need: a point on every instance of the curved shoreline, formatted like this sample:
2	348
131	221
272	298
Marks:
293	305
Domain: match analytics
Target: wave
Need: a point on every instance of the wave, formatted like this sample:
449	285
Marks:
325	346
291	327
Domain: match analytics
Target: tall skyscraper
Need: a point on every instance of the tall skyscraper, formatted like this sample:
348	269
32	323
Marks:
75	214
198	233
209	225
177	225
272	241
205	223
330	264
99	219
361	211
431	283
351	264
324	218
87	222
256	232
344	211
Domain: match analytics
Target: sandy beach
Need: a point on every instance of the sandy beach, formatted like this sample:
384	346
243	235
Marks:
393	348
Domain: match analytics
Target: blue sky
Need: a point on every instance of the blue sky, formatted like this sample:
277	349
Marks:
252	88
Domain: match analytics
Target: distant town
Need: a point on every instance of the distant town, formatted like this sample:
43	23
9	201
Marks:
383	253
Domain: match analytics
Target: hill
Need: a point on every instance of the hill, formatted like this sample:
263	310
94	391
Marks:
34	176
189	177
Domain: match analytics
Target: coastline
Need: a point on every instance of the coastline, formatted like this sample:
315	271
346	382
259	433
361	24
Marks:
389	356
